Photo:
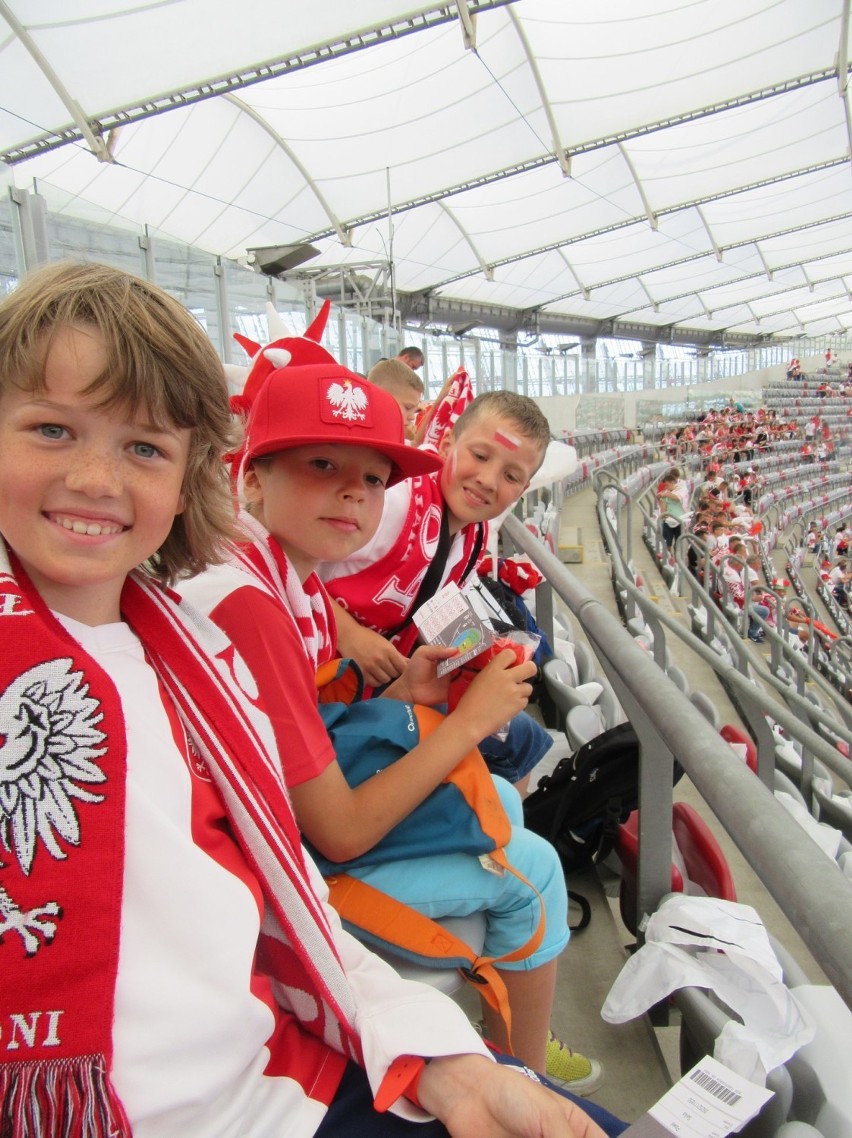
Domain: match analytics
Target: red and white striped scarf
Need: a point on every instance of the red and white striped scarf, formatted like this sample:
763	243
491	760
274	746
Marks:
308	603
62	800
382	595
443	417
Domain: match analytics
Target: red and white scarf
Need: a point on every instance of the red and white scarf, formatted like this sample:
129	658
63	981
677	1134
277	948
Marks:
443	416
382	596
62	801
308	603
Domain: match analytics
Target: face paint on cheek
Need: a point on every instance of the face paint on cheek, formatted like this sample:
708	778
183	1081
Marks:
508	441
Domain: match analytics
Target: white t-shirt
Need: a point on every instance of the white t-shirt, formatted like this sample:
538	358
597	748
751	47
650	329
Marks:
200	1047
188	1029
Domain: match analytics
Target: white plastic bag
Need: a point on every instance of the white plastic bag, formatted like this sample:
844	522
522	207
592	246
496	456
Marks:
722	946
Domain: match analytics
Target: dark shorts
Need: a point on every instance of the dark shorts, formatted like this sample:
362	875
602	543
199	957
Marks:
524	747
351	1114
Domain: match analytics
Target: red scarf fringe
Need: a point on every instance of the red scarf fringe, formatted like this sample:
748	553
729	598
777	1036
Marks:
60	1097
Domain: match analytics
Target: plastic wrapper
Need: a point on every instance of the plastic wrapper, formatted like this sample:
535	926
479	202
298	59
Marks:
523	644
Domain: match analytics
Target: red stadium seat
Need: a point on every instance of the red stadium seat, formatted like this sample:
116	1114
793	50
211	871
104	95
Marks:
732	734
707	871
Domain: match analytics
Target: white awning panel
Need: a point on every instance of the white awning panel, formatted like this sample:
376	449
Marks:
708	143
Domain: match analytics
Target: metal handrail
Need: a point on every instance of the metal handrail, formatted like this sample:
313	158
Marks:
808	887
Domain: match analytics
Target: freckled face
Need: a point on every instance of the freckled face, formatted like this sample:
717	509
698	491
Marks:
86	494
486	469
320	501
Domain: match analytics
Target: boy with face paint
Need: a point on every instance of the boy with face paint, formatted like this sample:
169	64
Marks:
494	449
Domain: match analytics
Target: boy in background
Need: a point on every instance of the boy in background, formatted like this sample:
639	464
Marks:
405	385
155	893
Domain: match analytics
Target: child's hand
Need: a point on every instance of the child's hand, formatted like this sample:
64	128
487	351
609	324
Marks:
420	683
496	694
379	661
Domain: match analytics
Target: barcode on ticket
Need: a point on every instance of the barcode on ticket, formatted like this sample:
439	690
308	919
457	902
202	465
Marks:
717	1089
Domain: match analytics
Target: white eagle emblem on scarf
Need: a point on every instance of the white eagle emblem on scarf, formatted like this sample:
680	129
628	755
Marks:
49	744
349	402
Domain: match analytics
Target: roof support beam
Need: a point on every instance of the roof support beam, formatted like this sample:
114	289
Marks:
93	140
573	273
467	19
763	261
843	51
759	276
637	220
843	75
561	156
637	181
343	235
848	120
587	148
439	13
743	302
646	291
421	307
690	257
487	270
817	302
709	233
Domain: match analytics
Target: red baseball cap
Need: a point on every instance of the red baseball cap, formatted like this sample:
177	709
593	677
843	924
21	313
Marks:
327	403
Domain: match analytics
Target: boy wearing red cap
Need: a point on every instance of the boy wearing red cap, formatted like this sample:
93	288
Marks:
321	446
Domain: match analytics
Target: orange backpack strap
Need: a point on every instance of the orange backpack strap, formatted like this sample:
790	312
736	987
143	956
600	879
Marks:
339	681
534	942
391	923
473	779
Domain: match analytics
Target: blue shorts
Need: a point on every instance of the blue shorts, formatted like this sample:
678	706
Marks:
351	1113
456	885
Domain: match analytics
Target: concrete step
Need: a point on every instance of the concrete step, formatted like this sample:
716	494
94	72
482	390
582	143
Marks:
570	549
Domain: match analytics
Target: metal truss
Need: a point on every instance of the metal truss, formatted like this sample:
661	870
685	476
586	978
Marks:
665	211
92	129
244	108
589	147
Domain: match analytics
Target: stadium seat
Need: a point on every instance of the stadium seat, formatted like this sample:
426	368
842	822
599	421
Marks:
698	864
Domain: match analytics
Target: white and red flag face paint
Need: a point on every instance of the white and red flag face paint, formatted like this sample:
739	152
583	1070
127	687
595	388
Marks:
444	415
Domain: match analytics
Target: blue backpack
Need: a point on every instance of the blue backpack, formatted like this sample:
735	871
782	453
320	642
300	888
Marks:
463	814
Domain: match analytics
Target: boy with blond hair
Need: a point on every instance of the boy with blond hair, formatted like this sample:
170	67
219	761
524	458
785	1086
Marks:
169	962
440	522
490	456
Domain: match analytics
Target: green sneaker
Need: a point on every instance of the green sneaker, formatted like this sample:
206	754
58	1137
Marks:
572	1070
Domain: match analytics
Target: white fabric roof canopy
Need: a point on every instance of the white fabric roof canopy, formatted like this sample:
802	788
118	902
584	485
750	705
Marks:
637	163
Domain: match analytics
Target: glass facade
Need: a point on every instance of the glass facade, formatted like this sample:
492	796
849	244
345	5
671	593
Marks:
227	297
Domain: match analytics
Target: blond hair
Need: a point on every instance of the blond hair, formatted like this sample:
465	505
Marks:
159	359
524	413
395	374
